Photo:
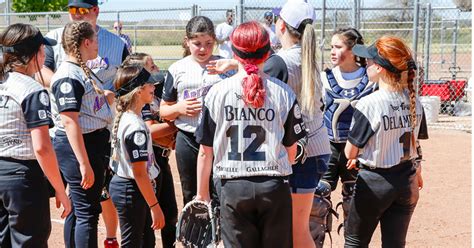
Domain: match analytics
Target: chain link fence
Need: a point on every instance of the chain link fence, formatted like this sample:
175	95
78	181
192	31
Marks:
438	32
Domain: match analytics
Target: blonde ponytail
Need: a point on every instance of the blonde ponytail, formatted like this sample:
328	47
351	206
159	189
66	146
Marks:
310	79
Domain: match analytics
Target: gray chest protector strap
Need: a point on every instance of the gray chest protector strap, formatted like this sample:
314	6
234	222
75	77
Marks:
320	220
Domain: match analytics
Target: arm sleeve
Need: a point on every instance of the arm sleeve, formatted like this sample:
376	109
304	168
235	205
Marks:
361	130
136	144
125	52
295	128
146	113
206	129
423	133
275	66
170	93
159	85
68	93
49	58
37	109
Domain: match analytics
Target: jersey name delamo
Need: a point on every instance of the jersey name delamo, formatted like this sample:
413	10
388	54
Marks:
396	122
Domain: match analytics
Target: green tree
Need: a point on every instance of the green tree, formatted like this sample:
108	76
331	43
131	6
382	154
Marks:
38	5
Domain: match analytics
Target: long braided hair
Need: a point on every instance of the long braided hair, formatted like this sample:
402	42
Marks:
74	34
125	102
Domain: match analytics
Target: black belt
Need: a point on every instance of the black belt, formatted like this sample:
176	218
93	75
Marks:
398	167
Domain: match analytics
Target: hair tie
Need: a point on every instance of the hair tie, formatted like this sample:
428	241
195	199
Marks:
411	64
251	69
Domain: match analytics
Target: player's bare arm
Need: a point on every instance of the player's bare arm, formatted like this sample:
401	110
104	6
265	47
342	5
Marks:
204	167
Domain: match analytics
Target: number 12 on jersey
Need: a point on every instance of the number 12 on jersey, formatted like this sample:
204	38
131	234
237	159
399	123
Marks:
250	153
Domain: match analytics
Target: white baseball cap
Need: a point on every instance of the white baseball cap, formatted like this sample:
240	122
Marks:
295	11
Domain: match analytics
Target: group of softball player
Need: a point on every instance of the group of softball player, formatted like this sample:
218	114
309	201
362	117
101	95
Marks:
243	127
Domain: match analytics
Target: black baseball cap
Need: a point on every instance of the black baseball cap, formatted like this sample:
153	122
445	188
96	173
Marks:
371	52
141	79
82	3
29	43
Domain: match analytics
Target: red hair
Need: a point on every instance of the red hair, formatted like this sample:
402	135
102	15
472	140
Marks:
248	38
399	54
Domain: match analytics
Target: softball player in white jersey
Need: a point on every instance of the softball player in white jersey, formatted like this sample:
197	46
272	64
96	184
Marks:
186	84
249	129
112	51
26	153
159	129
81	114
343	86
383	138
133	161
298	55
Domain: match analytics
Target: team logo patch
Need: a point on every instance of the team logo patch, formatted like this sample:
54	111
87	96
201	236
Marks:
42	114
44	98
297	111
297	128
135	154
139	138
65	88
62	101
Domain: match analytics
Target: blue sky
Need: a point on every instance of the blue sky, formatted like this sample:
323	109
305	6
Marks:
147	4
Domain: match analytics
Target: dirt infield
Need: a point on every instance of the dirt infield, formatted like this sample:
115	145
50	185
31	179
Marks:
442	217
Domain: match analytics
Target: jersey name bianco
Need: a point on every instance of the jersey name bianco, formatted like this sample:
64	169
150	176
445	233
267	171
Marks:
72	91
381	128
110	55
24	104
318	143
186	79
133	145
250	141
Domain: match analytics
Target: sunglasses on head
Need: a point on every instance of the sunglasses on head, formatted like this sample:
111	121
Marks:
78	10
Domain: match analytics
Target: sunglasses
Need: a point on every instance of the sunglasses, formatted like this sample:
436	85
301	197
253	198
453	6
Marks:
78	10
119	28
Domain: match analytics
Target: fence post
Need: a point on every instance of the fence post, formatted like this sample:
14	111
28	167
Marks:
416	23
427	41
194	11
353	14
334	25
241	12
118	20
47	23
135	37
442	35
236	14
358	14
323	31
455	42
7	11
